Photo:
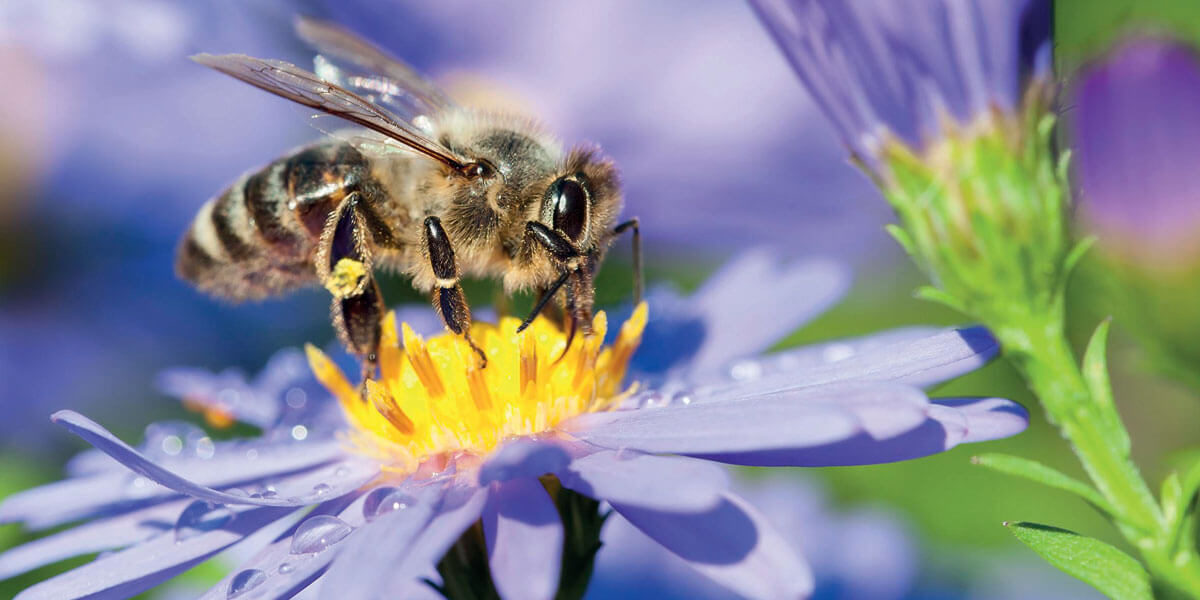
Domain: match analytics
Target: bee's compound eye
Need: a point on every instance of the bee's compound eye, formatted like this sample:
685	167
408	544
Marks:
570	208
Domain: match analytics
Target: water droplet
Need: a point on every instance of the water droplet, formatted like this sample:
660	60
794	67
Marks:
285	568
653	400
251	454
683	398
205	447
201	517
269	493
318	533
745	370
169	438
171	445
341	471
295	398
321	489
385	500
245	581
299	432
837	352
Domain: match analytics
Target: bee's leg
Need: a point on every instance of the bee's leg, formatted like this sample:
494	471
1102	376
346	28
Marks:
448	297
344	268
632	224
543	300
576	269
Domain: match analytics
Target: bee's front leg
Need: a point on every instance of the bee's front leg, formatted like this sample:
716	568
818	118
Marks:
344	268
448	297
575	271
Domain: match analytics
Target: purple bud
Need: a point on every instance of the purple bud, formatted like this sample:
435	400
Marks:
1136	127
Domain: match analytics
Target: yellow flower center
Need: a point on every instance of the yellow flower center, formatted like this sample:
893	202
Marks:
432	399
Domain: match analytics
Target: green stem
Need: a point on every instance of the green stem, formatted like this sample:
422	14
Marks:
1042	354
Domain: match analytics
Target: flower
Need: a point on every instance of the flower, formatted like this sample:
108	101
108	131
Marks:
911	69
1134	126
1133	132
945	106
393	492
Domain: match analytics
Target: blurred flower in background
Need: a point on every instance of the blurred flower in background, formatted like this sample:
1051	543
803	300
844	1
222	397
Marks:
1134	125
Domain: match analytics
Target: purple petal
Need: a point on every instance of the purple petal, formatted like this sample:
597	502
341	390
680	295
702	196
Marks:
793	419
1136	127
96	536
524	536
523	457
792	295
229	463
322	484
978	419
731	544
142	566
647	481
368	557
460	508
286	573
919	362
949	422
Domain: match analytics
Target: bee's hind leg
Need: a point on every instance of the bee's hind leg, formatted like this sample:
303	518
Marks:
448	297
344	268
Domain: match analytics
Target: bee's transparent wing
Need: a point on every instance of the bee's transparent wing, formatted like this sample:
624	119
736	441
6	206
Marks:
355	64
300	86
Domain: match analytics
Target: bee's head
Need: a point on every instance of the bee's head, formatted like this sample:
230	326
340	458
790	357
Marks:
583	202
580	206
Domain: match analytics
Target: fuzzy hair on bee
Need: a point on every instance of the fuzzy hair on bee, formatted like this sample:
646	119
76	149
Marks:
424	188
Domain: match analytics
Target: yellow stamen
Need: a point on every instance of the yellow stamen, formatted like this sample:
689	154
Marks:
432	400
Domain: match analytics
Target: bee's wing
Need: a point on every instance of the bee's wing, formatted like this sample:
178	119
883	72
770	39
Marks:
300	86
357	65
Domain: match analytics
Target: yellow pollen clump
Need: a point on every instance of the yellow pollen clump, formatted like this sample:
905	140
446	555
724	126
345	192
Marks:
432	398
346	276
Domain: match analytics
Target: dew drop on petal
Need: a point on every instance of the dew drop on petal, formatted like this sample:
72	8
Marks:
318	533
837	352
205	447
341	471
245	581
299	432
295	398
745	370
385	500
171	445
285	568
251	454
654	399
201	517
321	489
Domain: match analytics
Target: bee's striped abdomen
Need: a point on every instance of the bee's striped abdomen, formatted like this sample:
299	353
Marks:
259	237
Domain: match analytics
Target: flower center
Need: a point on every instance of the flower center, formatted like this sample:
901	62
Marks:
433	399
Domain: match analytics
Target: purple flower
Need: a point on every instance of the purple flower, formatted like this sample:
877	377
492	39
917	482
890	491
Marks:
881	68
1135	124
441	445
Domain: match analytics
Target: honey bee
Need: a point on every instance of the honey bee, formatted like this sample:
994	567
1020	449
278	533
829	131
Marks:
426	188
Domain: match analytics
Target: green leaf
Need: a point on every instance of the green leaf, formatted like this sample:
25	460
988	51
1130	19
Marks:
1096	563
1095	375
1076	254
932	294
1036	471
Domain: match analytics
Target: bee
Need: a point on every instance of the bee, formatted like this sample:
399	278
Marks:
426	188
